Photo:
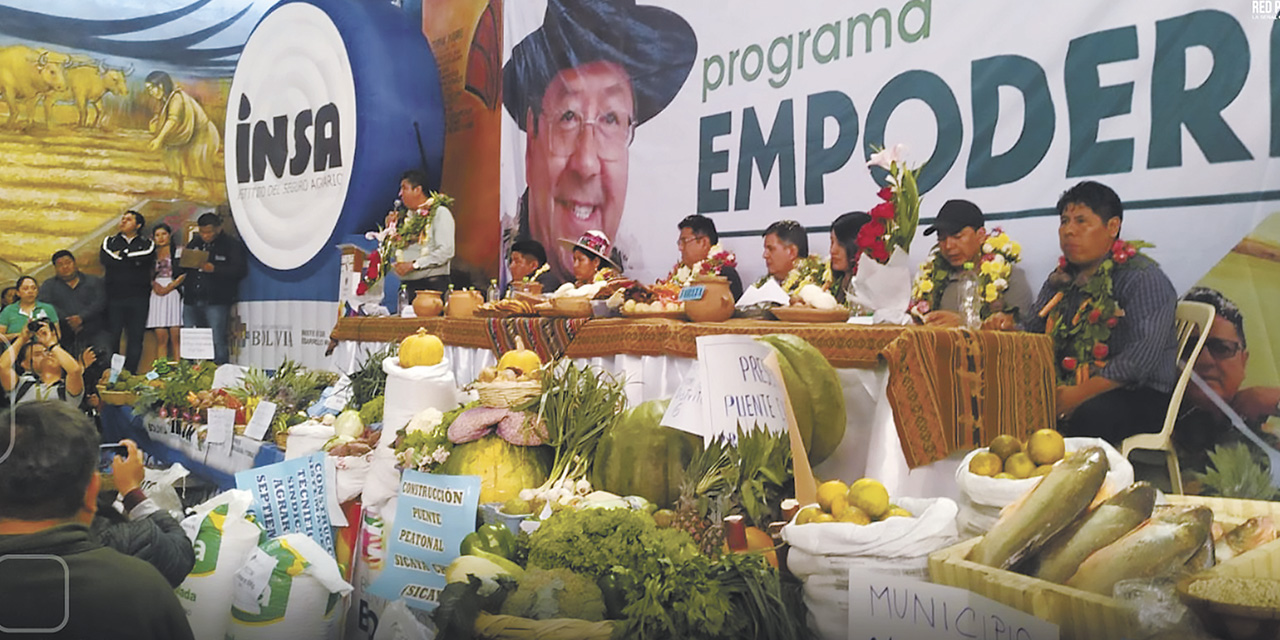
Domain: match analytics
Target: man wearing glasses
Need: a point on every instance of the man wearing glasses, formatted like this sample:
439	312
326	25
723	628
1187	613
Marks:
1221	365
578	87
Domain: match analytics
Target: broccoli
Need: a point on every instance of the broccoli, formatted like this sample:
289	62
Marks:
371	411
545	594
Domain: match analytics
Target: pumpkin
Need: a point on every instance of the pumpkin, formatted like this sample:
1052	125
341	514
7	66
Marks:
637	456
421	349
520	358
814	389
504	468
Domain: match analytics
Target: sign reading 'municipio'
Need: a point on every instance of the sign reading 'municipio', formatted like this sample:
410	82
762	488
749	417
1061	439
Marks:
290	135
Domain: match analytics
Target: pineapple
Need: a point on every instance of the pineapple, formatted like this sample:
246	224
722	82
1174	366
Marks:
705	496
1234	473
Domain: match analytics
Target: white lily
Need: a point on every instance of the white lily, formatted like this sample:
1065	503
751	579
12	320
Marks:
887	156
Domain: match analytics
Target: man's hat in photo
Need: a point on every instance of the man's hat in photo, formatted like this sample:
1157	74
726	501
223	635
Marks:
594	243
956	215
655	45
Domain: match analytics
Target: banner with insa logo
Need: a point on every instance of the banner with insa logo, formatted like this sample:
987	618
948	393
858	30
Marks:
1007	104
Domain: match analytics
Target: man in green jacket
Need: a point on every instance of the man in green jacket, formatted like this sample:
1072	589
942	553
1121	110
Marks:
55	582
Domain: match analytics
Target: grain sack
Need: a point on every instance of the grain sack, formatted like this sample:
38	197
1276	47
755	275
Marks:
412	389
289	587
222	536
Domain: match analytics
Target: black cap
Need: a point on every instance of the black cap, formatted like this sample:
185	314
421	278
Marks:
956	215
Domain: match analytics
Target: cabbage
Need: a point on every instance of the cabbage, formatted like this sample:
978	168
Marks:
348	424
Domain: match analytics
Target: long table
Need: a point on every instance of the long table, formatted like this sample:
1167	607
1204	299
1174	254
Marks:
949	388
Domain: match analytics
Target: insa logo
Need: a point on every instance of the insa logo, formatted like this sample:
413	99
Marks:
294	89
258	145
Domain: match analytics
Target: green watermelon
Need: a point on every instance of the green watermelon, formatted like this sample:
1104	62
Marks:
637	456
814	389
504	468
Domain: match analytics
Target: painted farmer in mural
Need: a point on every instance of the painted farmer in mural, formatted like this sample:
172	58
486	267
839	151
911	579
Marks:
603	65
185	135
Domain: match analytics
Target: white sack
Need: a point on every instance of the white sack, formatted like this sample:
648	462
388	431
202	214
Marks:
222	538
292	603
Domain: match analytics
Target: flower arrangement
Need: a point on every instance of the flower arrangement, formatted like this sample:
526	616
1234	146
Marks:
717	259
1082	338
999	253
424	444
894	220
405	228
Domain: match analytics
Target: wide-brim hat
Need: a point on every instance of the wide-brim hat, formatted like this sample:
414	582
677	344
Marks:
655	46
595	243
956	215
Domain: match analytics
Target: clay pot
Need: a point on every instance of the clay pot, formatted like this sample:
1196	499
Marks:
463	304
716	304
427	304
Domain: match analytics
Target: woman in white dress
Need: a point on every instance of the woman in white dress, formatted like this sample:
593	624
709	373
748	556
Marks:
165	314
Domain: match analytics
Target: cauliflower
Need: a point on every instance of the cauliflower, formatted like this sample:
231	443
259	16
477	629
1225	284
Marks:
545	594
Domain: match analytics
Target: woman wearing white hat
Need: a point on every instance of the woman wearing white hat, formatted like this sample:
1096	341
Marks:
591	261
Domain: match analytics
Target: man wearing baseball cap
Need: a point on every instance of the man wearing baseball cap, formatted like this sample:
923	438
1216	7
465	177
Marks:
579	86
964	245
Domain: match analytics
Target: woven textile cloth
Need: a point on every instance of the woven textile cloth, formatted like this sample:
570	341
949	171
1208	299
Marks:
950	389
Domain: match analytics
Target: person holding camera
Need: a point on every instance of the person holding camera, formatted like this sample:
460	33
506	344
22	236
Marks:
16	316
48	371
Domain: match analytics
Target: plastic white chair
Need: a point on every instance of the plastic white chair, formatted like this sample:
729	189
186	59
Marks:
1192	318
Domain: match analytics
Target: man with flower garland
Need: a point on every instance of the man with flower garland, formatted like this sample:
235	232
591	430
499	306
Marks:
702	255
964	245
1110	313
786	256
528	263
424	262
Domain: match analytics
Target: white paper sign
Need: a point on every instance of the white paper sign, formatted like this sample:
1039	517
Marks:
737	387
686	412
261	419
117	364
197	344
220	430
885	607
251	580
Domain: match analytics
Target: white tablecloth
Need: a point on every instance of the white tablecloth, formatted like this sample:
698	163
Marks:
870	448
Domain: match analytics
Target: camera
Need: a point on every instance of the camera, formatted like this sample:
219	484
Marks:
35	325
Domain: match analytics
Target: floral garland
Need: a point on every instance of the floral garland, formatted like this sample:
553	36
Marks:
717	259
1083	337
807	270
406	228
536	273
999	253
894	220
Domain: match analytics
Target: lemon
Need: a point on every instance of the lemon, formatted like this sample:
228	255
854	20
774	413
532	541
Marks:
870	496
808	514
827	492
985	464
1005	446
838	505
1019	465
823	516
1046	446
1042	470
899	512
854	515
1003	475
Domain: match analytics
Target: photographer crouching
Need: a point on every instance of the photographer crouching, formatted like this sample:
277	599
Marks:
47	371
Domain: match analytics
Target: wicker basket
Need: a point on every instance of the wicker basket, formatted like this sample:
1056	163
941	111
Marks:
119	398
504	394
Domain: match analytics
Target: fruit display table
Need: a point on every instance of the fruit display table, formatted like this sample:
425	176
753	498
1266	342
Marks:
168	442
914	395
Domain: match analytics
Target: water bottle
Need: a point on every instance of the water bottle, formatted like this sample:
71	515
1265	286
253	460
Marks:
495	294
970	300
402	299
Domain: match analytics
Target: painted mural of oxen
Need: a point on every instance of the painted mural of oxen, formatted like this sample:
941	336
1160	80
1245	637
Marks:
87	84
28	76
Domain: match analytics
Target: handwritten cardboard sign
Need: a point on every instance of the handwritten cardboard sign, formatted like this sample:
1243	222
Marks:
433	514
885	607
686	412
197	344
291	497
737	387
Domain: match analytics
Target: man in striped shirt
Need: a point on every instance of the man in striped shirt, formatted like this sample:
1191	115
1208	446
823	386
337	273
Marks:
1130	394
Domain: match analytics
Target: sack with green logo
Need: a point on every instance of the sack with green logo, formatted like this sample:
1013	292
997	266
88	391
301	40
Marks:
289	587
222	534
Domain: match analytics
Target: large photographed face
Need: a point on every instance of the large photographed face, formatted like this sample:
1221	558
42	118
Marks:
1221	364
577	157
